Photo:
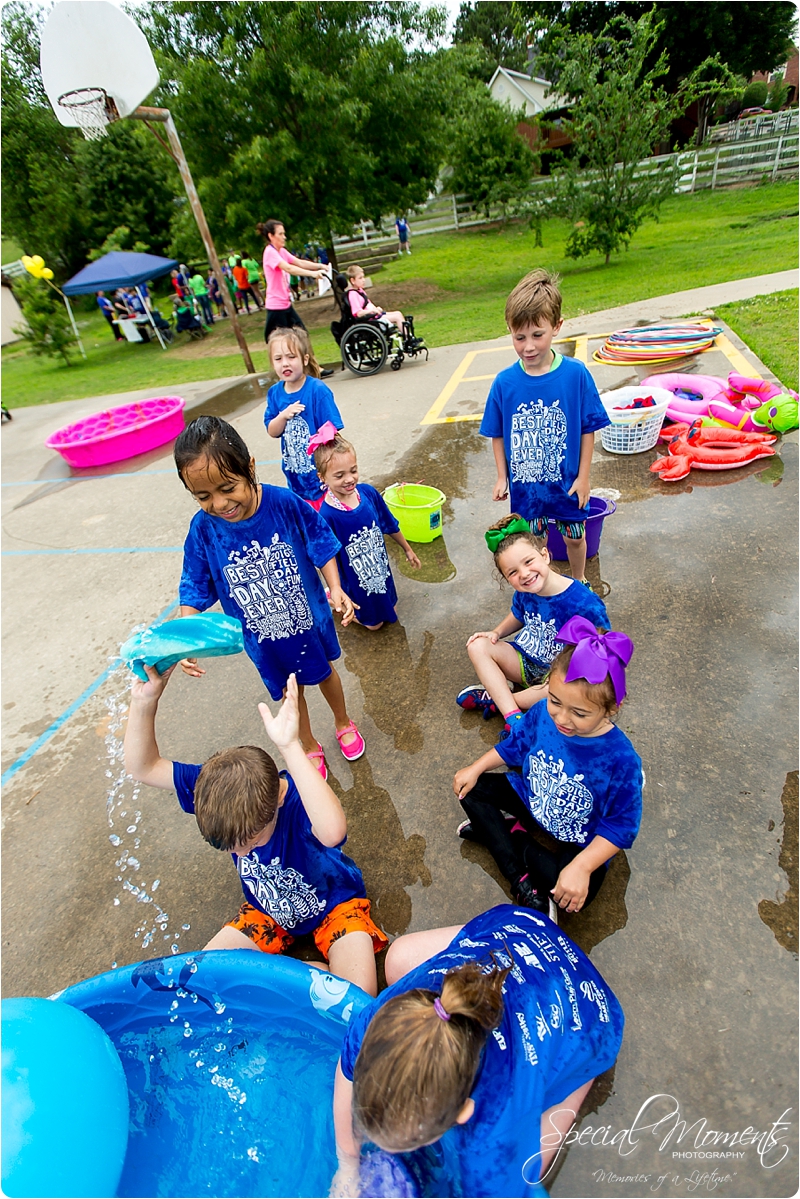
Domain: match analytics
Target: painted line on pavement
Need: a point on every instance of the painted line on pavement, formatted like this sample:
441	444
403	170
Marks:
44	737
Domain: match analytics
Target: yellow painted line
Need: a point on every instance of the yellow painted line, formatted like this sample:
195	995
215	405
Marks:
431	416
477	378
736	357
582	350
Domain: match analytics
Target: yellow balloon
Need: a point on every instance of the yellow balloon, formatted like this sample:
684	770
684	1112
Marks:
47	273
38	261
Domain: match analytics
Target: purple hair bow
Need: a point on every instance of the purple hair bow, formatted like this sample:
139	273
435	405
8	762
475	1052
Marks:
323	436
596	654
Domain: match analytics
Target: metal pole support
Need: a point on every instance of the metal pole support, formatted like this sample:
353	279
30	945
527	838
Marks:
164	116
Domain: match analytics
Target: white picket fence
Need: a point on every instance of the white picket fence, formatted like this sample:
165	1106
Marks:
718	165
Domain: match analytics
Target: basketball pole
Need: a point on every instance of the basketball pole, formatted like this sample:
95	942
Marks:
175	149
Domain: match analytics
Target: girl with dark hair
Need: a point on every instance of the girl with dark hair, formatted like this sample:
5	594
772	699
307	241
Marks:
574	787
279	266
482	1049
256	550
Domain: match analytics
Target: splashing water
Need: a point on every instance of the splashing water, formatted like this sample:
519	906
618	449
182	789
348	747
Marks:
255	1121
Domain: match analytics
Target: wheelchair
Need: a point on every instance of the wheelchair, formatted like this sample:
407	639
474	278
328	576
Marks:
366	344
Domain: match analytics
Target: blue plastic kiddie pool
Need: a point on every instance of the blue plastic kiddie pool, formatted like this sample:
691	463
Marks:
230	1058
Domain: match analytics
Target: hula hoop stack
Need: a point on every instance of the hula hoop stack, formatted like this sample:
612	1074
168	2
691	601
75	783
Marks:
656	343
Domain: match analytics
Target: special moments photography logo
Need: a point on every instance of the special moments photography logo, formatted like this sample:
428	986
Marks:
681	1140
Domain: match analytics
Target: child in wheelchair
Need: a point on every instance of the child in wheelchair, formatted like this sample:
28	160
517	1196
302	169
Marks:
185	319
362	307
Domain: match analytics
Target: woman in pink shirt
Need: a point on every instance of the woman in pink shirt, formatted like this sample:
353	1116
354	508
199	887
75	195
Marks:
279	264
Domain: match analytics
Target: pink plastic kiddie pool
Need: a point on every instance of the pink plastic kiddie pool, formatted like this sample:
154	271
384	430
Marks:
119	432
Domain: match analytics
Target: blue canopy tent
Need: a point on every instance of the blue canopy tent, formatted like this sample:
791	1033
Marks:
120	268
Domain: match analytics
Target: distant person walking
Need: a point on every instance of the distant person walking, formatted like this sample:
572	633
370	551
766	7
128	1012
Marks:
254	279
243	289
199	289
107	309
403	235
279	265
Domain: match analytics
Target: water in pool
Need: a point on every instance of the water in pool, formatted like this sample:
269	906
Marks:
234	1110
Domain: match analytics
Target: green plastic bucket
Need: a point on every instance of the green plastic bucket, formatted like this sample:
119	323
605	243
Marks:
417	509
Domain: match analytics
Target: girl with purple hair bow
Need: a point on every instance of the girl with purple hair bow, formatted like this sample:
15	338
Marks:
574	789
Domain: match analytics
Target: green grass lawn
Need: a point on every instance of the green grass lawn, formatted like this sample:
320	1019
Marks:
769	325
456	285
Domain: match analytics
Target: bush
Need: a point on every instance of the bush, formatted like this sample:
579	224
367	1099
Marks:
48	331
755	94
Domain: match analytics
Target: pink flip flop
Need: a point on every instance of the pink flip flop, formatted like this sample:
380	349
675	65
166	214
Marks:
317	759
356	747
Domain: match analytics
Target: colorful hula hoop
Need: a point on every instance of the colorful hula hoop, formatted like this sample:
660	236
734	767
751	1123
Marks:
656	343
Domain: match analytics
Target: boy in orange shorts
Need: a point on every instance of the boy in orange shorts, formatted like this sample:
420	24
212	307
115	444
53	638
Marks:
283	830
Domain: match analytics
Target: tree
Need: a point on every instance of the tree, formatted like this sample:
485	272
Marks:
48	330
619	110
319	114
749	36
491	162
494	25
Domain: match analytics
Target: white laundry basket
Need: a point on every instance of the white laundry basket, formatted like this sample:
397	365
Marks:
637	429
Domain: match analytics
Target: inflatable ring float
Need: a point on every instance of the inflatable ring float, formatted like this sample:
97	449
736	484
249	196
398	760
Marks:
692	393
695	447
204	635
748	406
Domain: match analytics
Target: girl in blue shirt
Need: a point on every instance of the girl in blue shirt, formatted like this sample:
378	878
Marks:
575	780
256	550
358	516
543	601
474	1062
297	406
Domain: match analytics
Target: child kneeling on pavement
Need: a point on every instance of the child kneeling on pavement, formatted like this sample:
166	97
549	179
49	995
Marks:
284	832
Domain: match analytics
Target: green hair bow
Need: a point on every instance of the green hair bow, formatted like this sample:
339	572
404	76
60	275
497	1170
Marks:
494	537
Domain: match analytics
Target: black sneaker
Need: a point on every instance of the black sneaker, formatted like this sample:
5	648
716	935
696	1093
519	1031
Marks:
466	831
525	894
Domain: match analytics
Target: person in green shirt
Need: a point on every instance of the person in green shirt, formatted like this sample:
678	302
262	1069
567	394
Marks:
199	290
254	279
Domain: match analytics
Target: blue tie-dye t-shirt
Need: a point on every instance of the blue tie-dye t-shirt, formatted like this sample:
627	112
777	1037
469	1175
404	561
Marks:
541	419
561	1026
575	787
543	615
294	878
319	406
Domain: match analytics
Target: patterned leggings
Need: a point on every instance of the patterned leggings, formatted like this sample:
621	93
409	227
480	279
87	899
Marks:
519	853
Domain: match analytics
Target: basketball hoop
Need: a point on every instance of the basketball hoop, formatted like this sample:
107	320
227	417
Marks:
92	108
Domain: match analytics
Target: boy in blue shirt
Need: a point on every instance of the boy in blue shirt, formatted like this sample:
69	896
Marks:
284	832
542	414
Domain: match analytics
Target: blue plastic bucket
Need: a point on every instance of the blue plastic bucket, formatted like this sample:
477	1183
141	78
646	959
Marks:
599	509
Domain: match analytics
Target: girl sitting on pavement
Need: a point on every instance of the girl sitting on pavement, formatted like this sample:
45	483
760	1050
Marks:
573	795
543	601
297	406
256	550
473	1064
361	305
358	516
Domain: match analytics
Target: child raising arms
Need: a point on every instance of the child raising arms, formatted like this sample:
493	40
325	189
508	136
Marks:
358	516
297	406
283	831
542	414
574	775
256	549
543	601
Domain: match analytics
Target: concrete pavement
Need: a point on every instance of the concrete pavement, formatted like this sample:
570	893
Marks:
696	927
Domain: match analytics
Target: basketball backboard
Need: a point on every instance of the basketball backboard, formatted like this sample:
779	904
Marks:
94	44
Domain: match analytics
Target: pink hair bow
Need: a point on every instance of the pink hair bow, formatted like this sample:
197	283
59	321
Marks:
596	655
323	436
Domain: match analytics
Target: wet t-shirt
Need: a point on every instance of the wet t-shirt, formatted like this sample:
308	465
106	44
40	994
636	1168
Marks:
263	571
541	419
543	615
561	1026
576	788
363	561
319	406
294	878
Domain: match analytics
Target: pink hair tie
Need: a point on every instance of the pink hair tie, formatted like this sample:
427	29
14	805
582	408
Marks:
324	435
440	1012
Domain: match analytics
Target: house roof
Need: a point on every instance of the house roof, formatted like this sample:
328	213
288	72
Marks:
523	84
